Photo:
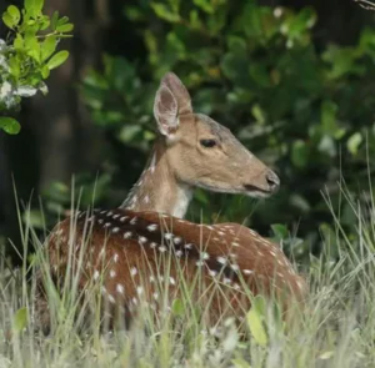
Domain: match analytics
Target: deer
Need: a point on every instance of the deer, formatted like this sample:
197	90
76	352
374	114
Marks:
122	247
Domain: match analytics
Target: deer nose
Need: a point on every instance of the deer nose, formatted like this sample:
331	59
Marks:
273	181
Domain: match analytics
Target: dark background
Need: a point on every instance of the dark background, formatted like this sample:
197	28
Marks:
305	107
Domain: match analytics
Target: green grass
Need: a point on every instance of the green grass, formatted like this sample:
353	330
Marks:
336	329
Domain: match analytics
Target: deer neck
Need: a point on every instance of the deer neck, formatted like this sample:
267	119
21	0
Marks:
158	188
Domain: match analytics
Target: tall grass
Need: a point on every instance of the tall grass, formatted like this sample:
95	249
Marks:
336	329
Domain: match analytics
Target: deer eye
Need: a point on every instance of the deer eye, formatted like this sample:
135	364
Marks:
208	143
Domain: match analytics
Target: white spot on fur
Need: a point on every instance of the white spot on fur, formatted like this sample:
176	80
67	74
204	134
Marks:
133	221
221	260
111	299
248	272
133	271
120	288
152	227
112	274
204	255
142	240
212	273
127	235
168	236
177	240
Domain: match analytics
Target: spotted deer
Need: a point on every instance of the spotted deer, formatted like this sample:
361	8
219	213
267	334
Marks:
122	247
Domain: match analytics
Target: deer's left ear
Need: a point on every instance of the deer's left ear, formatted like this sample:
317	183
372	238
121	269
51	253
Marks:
166	111
179	92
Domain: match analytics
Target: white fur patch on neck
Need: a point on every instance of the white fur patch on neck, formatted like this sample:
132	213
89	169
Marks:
184	194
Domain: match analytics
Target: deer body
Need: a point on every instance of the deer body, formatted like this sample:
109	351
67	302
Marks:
124	245
123	249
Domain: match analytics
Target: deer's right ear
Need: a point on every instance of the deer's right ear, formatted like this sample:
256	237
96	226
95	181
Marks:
166	111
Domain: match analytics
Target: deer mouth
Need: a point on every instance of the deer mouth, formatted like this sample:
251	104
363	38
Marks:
254	190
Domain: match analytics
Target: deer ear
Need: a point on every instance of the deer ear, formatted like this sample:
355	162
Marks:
166	111
179	91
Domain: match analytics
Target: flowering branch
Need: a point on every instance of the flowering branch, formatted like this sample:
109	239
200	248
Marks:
28	55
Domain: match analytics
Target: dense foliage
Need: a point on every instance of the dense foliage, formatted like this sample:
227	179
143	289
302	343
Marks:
28	55
306	111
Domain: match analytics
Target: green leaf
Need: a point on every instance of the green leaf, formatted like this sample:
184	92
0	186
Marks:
14	12
300	153
255	322
65	28
54	20
20	320
48	47
34	7
205	5
61	21
58	59
162	11
280	231
354	142
8	20
9	125
44	23
34	219
18	42
258	114
328	115
45	72
32	45
178	308
15	66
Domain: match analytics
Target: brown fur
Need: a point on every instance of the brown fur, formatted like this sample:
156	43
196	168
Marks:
122	241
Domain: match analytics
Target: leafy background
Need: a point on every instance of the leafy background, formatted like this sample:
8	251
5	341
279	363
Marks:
294	83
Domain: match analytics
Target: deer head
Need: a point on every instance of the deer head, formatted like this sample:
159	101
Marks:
203	153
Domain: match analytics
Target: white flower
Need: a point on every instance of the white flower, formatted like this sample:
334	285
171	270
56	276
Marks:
43	88
26	91
2	44
278	12
6	95
4	63
5	90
